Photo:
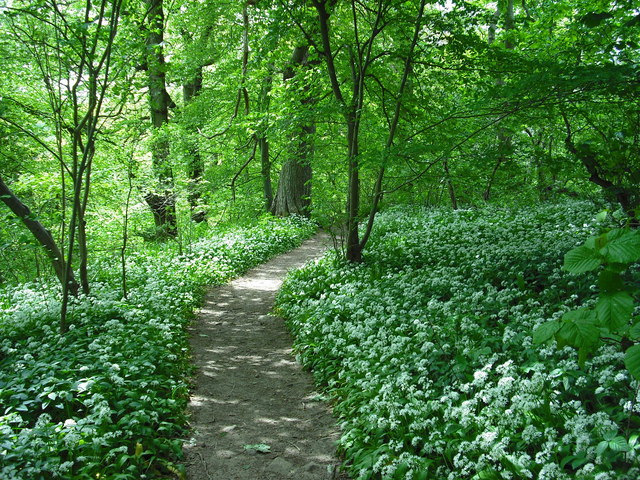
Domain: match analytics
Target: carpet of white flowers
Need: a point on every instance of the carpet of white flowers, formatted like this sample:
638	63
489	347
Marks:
107	399
426	350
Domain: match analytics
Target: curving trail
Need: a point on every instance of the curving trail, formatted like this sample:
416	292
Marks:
249	390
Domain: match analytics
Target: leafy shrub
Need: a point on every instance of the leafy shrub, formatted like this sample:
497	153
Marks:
427	350
107	400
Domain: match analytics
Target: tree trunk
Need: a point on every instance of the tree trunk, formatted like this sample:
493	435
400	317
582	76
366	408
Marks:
452	191
190	90
265	171
503	136
162	201
404	84
41	234
294	185
263	139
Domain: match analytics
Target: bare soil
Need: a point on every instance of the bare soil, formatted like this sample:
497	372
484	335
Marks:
254	412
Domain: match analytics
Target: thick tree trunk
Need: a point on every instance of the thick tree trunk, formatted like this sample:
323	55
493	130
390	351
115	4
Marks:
294	186
41	234
159	102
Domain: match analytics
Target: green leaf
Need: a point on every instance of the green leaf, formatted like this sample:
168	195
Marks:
634	332
594	19
602	216
632	361
487	474
614	310
610	281
401	471
579	315
581	259
622	248
579	329
546	331
602	446
619	444
259	447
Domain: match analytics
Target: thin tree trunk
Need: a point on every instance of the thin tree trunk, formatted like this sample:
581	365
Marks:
42	235
360	59
452	190
377	194
190	90
263	140
265	171
504	138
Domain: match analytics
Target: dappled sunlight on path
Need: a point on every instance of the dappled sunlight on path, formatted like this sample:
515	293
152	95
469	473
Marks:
249	389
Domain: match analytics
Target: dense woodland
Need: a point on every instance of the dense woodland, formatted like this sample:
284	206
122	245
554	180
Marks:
482	156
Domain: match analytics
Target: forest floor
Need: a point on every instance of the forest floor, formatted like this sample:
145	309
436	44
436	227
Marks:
254	412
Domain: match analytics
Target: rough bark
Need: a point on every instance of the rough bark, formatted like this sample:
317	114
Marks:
159	103
294	185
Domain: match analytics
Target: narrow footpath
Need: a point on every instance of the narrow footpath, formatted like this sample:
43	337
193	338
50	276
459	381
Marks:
254	412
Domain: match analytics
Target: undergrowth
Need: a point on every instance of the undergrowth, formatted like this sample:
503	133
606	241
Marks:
426	350
107	399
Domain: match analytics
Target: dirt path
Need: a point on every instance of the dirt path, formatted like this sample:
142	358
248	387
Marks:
249	389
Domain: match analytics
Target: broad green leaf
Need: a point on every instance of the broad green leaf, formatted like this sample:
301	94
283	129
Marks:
619	444
632	361
580	315
602	216
581	259
602	446
422	475
614	310
579	330
622	248
487	474
400	473
546	331
634	332
610	281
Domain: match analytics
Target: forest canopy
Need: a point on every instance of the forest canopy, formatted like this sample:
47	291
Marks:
185	112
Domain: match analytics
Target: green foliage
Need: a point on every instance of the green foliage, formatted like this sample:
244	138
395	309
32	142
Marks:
427	352
611	318
107	400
